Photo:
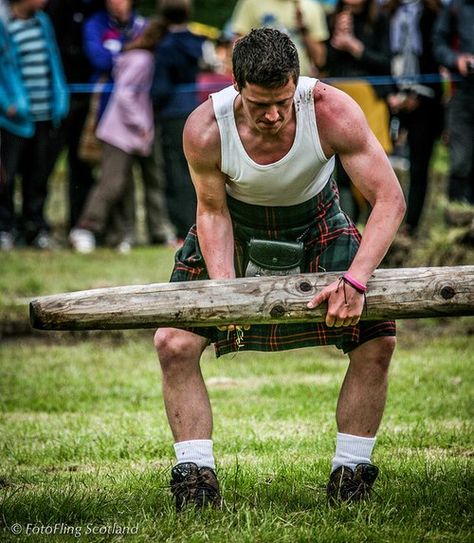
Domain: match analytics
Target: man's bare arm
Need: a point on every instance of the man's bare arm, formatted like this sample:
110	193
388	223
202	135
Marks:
214	226
345	132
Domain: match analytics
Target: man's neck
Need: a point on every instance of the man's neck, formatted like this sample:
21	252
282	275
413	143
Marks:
20	12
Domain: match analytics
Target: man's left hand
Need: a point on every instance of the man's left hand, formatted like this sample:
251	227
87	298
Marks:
345	304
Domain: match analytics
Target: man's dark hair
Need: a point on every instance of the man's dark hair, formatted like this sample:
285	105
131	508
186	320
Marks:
265	57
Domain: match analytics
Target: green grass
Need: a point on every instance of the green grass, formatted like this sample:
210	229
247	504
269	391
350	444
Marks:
28	273
85	442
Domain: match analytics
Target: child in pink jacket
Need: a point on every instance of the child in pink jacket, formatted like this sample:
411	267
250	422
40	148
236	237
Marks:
128	134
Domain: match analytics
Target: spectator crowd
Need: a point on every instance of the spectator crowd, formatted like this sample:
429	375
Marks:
114	89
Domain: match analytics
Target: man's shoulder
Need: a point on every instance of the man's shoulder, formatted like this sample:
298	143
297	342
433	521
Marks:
330	101
339	118
201	134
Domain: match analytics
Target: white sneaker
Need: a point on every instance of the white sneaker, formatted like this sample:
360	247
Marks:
82	241
7	241
44	241
124	247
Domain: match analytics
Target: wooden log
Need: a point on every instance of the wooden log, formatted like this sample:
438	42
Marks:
392	294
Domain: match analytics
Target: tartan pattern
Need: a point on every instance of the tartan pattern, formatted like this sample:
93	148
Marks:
331	241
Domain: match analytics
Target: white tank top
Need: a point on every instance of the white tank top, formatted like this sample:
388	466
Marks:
298	176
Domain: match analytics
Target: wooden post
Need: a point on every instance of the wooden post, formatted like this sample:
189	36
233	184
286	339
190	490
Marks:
392	294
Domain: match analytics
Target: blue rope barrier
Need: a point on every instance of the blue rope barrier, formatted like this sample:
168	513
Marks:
89	88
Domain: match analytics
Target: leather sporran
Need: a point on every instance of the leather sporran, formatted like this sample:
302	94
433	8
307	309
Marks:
267	257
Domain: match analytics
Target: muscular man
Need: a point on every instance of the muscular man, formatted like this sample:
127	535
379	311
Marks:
261	155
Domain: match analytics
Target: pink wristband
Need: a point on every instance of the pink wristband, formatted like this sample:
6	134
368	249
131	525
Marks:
354	283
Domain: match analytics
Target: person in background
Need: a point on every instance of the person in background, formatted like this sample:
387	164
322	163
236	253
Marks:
303	20
127	132
218	72
68	17
105	33
359	47
33	101
455	25
328	5
417	105
176	66
4	10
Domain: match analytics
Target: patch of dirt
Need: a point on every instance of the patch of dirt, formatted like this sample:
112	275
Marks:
4	482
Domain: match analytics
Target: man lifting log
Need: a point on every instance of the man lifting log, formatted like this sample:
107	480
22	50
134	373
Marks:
261	156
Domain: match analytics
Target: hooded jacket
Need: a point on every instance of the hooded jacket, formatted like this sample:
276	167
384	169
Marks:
127	122
12	89
176	67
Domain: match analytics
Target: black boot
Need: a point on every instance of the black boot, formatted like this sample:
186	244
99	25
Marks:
193	485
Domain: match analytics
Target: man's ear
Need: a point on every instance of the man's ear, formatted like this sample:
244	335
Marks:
235	84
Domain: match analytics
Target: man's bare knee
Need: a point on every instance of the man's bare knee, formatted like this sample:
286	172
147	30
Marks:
385	351
177	346
375	354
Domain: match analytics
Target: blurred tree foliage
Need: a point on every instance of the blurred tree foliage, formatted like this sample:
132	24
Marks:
211	12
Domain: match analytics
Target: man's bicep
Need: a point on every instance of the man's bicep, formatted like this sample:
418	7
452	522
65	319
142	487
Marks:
367	165
202	150
362	155
209	184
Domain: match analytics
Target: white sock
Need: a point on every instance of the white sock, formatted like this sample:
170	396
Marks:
198	451
352	450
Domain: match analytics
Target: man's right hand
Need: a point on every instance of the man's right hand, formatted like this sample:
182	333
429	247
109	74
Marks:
345	304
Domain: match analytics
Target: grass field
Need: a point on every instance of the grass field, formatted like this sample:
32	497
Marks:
85	450
85	443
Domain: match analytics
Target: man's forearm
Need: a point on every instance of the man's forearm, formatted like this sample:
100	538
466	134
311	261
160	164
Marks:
378	235
216	240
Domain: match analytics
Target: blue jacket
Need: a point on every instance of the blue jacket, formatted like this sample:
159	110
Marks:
103	39
12	90
176	69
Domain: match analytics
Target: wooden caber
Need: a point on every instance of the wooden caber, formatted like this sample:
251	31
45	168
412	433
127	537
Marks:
392	294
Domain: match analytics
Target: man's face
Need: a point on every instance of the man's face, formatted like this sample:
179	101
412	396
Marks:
268	110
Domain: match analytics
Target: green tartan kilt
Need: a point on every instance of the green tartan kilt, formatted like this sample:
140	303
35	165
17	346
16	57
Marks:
330	243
